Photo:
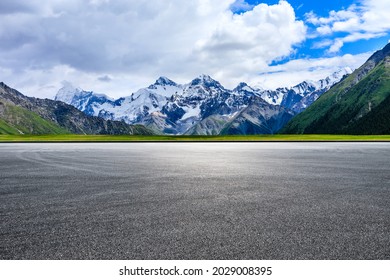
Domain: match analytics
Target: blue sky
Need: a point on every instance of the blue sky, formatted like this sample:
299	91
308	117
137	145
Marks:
322	9
117	47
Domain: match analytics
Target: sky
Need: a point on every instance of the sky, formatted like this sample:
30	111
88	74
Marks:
119	46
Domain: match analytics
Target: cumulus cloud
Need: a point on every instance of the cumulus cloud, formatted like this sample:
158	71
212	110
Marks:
47	41
366	20
242	45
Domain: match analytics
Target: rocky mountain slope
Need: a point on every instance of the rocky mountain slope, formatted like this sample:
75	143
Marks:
259	117
20	114
356	105
16	120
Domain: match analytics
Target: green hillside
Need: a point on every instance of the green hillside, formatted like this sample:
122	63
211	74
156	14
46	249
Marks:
375	122
356	105
15	120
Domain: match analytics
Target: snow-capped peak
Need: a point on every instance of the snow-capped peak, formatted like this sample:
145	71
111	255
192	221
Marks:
331	79
338	75
243	87
67	92
164	81
205	80
205	77
240	86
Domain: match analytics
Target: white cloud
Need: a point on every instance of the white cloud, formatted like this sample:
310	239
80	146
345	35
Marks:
334	16
133	42
322	44
362	36
324	30
336	46
376	15
352	24
291	73
363	21
242	45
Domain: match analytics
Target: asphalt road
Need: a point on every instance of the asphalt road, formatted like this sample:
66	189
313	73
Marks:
195	201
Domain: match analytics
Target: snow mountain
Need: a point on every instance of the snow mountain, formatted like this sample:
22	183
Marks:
301	96
203	106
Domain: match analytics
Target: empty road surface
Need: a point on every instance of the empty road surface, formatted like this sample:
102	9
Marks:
195	201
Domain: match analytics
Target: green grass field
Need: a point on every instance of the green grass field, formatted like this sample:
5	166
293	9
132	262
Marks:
166	138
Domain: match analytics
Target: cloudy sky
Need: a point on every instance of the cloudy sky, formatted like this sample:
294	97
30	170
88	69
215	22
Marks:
118	46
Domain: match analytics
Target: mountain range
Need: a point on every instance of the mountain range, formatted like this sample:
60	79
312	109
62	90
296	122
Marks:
203	106
20	114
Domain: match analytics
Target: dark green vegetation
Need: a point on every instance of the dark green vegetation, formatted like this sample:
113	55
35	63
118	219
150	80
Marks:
357	105
17	120
188	138
380	116
20	114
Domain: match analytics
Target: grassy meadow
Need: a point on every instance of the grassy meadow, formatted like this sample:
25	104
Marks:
184	138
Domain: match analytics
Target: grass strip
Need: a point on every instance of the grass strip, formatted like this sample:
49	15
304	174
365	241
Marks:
185	138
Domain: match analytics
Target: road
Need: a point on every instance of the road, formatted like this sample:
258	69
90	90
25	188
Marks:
195	201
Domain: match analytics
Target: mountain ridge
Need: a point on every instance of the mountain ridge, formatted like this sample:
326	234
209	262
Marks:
171	108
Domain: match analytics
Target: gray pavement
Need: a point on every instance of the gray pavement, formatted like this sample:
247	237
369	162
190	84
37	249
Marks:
195	201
